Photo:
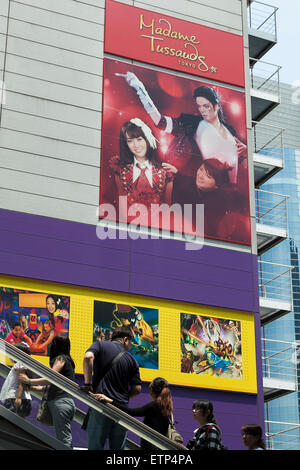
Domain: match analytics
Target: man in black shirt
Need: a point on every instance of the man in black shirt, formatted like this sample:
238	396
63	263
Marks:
119	381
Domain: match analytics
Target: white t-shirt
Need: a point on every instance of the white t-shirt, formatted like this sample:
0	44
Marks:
213	145
11	385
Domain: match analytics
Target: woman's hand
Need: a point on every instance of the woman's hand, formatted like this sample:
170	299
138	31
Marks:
18	403
102	397
169	167
23	378
241	148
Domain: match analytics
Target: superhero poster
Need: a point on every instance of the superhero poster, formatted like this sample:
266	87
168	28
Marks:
33	317
211	346
170	146
143	323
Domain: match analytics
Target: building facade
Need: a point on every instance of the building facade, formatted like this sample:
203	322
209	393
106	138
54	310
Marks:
282	414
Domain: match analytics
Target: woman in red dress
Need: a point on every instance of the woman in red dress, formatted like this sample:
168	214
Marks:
139	173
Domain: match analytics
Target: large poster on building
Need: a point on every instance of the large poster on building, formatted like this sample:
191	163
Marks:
33	317
211	346
159	39
171	145
142	321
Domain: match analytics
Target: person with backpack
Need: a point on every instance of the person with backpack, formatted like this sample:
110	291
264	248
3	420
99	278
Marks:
208	435
111	370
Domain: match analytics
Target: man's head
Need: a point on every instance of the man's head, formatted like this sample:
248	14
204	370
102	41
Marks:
212	174
124	335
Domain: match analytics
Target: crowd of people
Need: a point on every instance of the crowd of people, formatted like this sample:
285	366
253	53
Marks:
112	375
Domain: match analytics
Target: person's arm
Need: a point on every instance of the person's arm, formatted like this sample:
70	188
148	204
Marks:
37	341
140	411
143	95
135	390
27	339
57	366
241	148
45	344
168	193
18	400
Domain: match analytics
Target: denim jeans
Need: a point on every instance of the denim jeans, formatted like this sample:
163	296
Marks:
62	411
100	428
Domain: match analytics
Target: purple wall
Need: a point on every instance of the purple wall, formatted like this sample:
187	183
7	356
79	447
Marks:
54	250
68	252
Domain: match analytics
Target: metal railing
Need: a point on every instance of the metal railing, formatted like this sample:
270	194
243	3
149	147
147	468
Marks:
279	359
271	209
268	140
9	351
275	281
282	435
262	17
264	76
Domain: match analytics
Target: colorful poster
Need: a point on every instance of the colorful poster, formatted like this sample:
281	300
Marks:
211	346
33	317
172	145
173	43
143	323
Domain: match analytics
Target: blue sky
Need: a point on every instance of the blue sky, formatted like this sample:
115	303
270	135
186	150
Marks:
286	51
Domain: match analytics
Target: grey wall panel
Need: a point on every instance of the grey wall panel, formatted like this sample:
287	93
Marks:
56	21
95	3
2	42
53	73
56	208
58	130
43	146
53	55
4	4
71	8
50	187
3	24
51	167
59	39
2	56
52	110
53	91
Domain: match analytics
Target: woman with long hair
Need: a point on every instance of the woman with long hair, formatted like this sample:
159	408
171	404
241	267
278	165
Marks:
57	316
157	413
208	435
61	404
252	437
139	173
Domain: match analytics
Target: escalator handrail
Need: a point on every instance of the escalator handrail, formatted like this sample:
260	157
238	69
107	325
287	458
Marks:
73	389
79	414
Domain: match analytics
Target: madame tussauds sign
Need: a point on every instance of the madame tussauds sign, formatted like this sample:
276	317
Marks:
172	43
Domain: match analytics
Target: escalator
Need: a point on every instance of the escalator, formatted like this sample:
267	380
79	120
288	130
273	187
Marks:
20	434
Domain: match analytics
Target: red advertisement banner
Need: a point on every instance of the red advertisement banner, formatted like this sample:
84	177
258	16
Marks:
176	44
169	141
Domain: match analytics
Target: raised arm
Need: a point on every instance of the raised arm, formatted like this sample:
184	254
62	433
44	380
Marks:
143	95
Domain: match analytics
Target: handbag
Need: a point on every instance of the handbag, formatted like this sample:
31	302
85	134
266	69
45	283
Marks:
172	433
44	416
